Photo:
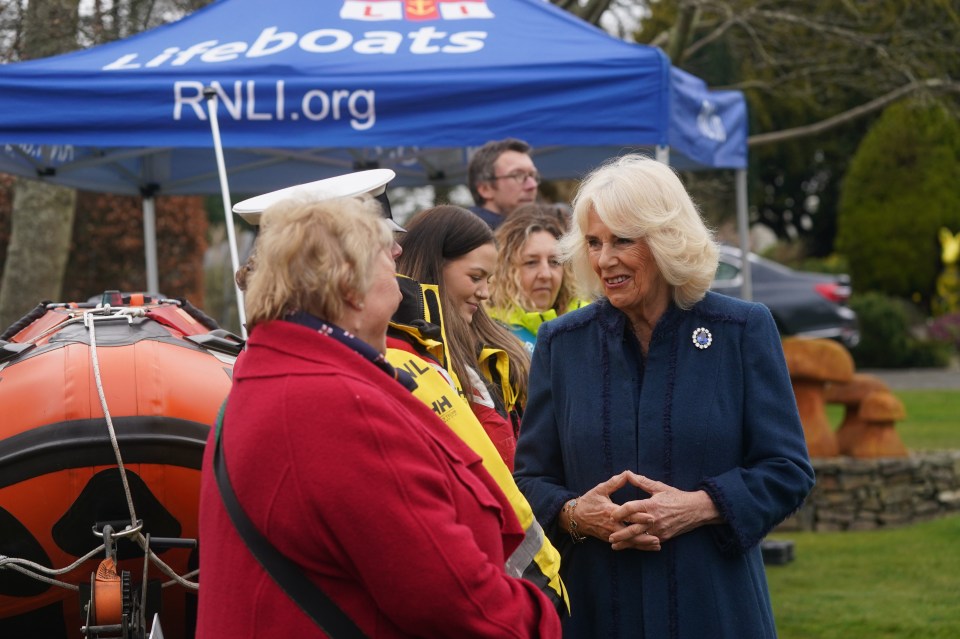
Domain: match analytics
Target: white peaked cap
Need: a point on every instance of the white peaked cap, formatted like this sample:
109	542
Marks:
373	182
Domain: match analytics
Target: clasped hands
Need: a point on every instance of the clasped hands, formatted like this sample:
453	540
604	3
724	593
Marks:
642	524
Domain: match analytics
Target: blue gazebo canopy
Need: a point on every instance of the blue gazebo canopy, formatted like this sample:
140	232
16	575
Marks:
307	90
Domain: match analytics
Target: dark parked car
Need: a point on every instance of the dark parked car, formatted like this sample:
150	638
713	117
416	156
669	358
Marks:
802	303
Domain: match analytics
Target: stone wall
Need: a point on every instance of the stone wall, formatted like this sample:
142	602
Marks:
864	494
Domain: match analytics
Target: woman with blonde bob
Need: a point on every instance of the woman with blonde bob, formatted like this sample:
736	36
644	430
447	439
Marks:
356	481
636	198
319	257
661	440
530	284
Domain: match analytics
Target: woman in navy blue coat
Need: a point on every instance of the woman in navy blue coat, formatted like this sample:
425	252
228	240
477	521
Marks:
661	440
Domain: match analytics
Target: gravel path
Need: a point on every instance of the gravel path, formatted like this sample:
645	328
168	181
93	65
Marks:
918	378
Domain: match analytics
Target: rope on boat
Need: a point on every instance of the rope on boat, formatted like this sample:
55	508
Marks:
141	540
182	580
90	323
38	572
170	572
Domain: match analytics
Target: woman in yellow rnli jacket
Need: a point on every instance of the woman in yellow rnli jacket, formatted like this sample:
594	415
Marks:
415	341
450	247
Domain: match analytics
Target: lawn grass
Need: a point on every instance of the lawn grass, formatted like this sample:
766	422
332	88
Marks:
932	423
897	583
933	419
883	584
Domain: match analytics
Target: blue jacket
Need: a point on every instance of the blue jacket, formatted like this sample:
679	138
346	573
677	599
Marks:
722	419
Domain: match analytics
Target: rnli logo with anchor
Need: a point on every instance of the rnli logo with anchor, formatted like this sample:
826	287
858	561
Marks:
709	122
415	10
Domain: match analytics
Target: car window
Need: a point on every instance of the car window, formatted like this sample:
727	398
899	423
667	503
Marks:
726	272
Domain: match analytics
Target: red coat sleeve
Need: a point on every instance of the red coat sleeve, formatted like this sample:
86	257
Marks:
407	510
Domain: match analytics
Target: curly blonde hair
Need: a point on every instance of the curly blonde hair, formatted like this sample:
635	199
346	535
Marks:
639	197
511	237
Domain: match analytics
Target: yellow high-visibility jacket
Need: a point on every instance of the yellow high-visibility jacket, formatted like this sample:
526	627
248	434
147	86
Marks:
535	559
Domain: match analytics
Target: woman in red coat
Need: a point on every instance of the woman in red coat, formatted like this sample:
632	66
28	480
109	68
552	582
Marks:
344	471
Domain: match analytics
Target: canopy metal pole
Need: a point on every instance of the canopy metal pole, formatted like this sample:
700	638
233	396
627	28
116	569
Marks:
743	231
211	96
662	154
150	244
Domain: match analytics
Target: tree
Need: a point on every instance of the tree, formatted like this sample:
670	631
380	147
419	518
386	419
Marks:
815	73
811	57
42	217
900	190
108	248
110	20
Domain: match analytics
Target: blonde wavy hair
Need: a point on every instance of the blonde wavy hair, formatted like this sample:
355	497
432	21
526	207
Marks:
314	256
511	237
638	197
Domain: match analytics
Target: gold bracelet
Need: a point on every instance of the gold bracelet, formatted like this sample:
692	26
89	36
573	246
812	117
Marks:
569	508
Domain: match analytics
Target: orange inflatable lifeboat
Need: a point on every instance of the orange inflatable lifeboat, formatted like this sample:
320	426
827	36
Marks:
104	412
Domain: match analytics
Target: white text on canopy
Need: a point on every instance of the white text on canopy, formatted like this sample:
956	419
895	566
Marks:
424	41
263	101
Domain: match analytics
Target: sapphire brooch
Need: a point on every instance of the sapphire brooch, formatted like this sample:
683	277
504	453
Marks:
702	338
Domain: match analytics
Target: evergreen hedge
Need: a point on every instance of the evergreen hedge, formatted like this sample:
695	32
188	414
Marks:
902	186
886	336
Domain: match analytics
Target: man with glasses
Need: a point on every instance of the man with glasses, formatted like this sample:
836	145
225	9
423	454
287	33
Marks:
501	177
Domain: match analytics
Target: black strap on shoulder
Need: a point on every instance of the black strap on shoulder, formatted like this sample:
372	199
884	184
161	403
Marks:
312	600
